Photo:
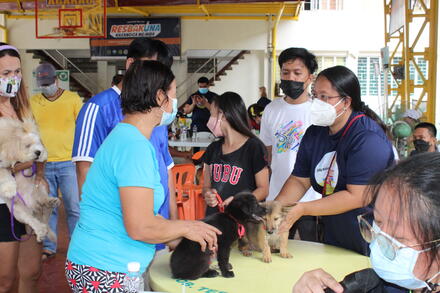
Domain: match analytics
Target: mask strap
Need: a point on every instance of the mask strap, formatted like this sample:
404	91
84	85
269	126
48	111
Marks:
345	109
432	286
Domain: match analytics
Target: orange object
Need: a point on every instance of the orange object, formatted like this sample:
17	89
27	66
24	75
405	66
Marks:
183	175
197	156
189	199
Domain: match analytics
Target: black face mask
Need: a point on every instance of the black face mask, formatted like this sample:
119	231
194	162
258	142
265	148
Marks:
291	88
421	145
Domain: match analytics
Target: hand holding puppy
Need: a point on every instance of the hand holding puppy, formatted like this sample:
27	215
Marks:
294	214
315	282
202	233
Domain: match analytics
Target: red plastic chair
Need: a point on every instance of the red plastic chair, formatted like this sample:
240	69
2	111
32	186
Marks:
183	175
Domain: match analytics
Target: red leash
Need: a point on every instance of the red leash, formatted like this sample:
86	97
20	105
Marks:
240	228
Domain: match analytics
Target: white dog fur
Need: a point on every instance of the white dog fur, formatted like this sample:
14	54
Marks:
20	142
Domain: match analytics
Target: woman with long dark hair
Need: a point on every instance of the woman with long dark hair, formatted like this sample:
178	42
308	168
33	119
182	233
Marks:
340	152
237	161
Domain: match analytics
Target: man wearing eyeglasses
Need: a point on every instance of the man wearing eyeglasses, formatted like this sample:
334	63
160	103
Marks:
283	125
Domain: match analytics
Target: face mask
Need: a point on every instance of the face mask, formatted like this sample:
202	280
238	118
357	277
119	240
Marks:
50	90
168	118
400	270
421	145
292	89
9	86
214	125
203	90
322	113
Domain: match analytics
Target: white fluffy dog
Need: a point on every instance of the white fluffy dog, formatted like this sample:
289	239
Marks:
20	142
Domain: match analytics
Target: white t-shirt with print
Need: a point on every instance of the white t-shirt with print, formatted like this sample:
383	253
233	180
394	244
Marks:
282	127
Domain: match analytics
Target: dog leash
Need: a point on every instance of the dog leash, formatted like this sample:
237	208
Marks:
12	217
240	228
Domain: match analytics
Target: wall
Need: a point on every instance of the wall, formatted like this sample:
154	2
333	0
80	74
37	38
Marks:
244	78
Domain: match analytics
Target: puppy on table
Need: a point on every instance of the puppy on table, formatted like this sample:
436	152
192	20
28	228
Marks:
189	262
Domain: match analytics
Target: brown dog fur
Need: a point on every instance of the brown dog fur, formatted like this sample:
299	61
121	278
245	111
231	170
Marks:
264	237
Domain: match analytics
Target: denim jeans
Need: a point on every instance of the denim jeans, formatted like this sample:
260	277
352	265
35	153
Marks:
62	175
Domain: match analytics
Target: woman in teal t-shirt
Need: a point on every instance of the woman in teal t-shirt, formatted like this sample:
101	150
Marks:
122	193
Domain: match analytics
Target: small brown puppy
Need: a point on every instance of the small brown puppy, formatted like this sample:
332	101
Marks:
264	236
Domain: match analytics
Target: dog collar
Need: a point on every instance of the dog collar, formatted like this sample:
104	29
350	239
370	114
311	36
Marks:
240	228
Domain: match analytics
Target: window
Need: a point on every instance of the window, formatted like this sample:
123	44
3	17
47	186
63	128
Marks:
329	61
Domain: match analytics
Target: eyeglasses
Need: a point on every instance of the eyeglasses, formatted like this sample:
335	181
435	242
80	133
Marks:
324	98
387	244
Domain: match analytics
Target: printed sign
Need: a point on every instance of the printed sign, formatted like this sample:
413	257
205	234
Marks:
122	31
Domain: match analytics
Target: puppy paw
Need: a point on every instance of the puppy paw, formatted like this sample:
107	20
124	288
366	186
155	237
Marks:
210	274
41	233
267	258
53	202
246	252
285	254
8	189
228	274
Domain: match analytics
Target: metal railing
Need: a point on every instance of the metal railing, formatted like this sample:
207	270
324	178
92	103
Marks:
80	76
218	62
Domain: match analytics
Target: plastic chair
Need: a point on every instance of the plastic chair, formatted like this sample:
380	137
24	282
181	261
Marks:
183	175
199	200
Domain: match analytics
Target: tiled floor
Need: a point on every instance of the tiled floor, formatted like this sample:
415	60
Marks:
52	279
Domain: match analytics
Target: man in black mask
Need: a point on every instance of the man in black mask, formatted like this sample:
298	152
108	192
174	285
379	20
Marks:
424	138
284	122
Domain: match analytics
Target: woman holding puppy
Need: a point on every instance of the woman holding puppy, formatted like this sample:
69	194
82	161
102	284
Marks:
122	193
405	234
237	162
338	155
22	255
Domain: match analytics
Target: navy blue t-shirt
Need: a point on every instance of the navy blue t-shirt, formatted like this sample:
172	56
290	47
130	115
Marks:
364	151
200	114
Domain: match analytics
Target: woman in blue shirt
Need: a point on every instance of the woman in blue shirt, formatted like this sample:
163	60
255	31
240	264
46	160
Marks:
122	193
338	155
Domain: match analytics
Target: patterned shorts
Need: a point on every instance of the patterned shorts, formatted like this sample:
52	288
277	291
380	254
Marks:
87	279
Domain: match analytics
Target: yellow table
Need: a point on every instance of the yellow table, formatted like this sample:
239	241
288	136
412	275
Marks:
252	275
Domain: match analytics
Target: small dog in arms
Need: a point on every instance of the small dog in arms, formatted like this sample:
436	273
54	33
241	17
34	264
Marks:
29	203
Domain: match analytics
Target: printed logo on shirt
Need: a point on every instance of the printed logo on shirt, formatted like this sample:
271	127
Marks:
321	171
289	136
226	173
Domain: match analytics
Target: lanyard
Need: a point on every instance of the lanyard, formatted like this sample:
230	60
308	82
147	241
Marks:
327	178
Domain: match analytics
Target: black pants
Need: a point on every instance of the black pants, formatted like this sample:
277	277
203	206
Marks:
307	229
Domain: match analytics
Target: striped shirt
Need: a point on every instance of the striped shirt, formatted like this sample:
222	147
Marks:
95	121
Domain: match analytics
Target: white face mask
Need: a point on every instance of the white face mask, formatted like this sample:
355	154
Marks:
49	90
323	114
400	270
9	86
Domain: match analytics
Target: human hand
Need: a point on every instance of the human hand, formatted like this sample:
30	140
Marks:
210	197
315	282
204	234
292	216
203	101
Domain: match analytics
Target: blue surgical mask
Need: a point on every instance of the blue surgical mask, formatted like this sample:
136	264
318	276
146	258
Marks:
203	90
50	90
400	270
168	118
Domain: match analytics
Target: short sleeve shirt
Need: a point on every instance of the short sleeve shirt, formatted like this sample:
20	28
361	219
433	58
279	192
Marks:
100	239
200	114
235	172
95	121
364	151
